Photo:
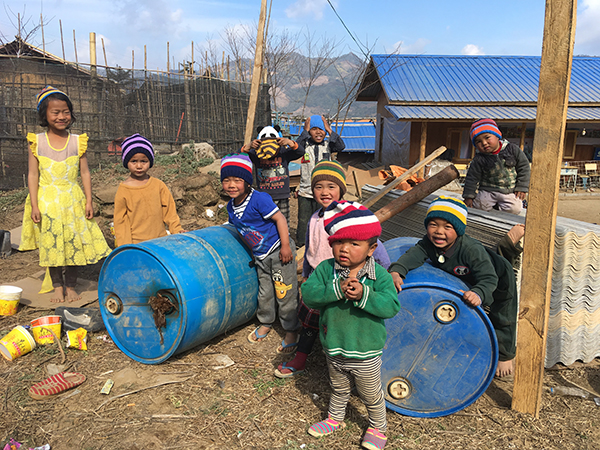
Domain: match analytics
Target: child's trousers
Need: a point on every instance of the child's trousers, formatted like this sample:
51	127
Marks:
506	202
366	375
278	289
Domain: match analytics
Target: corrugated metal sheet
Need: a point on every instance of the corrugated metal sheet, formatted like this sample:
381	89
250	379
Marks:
476	112
509	79
358	136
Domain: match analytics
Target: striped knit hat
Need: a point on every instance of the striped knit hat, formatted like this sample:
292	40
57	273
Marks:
329	171
237	165
485	126
350	220
136	144
268	148
44	93
450	209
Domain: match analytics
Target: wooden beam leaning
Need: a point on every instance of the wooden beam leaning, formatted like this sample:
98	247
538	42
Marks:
553	96
405	176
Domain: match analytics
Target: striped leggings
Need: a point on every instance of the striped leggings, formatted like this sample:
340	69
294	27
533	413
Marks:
366	375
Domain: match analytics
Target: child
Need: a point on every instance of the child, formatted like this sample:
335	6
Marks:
354	296
328	185
316	149
265	231
500	170
143	204
59	216
271	155
491	277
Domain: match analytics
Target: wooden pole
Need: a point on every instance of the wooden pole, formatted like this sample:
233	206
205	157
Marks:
418	193
256	74
104	52
522	142
538	253
75	48
43	41
93	53
168	67
405	176
422	147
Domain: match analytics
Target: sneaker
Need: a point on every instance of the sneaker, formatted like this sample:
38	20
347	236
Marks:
374	439
325	427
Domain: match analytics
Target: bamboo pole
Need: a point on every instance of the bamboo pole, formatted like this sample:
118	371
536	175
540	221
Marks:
75	48
168	68
422	147
104	52
43	40
62	41
256	74
93	69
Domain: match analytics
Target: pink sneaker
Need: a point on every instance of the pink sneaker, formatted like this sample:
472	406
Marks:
374	439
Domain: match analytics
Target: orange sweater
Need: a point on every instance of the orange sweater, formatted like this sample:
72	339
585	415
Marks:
141	212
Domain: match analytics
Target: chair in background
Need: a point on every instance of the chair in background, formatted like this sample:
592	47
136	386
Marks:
462	173
590	174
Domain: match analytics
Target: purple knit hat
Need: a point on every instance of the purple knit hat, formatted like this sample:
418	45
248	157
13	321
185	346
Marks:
136	144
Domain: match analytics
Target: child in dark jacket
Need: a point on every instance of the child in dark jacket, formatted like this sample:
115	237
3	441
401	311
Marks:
500	170
355	296
490	276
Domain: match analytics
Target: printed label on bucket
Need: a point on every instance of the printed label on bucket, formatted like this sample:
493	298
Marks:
16	343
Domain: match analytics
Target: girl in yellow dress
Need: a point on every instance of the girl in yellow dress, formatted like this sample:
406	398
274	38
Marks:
59	217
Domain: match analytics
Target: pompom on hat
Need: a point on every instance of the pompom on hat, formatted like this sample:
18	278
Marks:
450	209
45	93
350	220
136	144
329	171
237	165
484	126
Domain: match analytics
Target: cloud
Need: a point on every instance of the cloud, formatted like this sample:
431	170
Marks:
472	49
307	8
587	39
414	48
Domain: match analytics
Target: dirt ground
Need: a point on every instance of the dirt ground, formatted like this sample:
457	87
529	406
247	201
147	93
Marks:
202	406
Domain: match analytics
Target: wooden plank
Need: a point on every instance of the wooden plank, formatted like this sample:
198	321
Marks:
553	96
422	147
405	176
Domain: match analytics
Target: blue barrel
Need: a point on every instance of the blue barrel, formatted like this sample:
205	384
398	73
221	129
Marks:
205	274
441	354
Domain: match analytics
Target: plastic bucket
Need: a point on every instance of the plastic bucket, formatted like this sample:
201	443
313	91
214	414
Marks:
204	274
40	327
9	300
16	343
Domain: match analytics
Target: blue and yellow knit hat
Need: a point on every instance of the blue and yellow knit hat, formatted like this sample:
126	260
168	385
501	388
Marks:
44	93
450	209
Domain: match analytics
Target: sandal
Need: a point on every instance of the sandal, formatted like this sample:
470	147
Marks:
287	348
55	385
374	439
254	337
294	371
325	427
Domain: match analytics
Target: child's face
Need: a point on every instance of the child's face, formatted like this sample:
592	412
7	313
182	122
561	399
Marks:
138	166
58	114
487	143
325	192
234	187
351	253
317	134
441	233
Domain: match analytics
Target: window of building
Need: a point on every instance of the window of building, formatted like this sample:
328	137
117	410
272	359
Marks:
459	140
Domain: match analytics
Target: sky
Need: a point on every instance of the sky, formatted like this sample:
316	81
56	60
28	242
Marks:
427	27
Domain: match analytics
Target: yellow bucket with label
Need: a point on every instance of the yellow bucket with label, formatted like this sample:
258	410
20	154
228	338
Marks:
40	328
16	343
9	300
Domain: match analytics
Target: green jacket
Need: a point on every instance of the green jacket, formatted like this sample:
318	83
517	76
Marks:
347	328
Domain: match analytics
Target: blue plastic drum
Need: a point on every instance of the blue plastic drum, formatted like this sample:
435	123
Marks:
204	274
441	354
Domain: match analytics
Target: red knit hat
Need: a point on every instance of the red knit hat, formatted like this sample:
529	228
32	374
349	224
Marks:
350	220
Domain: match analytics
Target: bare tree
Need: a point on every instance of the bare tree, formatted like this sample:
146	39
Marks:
237	46
26	28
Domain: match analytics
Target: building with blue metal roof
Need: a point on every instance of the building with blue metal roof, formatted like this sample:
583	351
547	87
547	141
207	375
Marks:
424	102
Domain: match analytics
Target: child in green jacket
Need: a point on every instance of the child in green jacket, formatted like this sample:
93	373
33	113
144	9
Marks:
354	296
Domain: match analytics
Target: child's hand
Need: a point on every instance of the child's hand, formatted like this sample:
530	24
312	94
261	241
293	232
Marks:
520	195
352	289
307	124
398	281
282	142
469	202
471	298
326	124
183	231
285	254
89	210
36	216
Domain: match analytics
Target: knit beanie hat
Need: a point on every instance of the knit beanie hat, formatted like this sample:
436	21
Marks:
350	220
136	144
485	126
237	165
450	209
44	93
268	148
316	121
329	171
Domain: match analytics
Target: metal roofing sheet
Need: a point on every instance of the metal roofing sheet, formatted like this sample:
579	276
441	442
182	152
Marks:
476	112
418	78
358	136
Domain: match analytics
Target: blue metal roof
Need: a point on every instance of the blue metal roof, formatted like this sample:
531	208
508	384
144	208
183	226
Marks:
358	136
476	112
477	79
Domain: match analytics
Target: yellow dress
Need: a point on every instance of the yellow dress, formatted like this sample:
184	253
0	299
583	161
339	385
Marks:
64	236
